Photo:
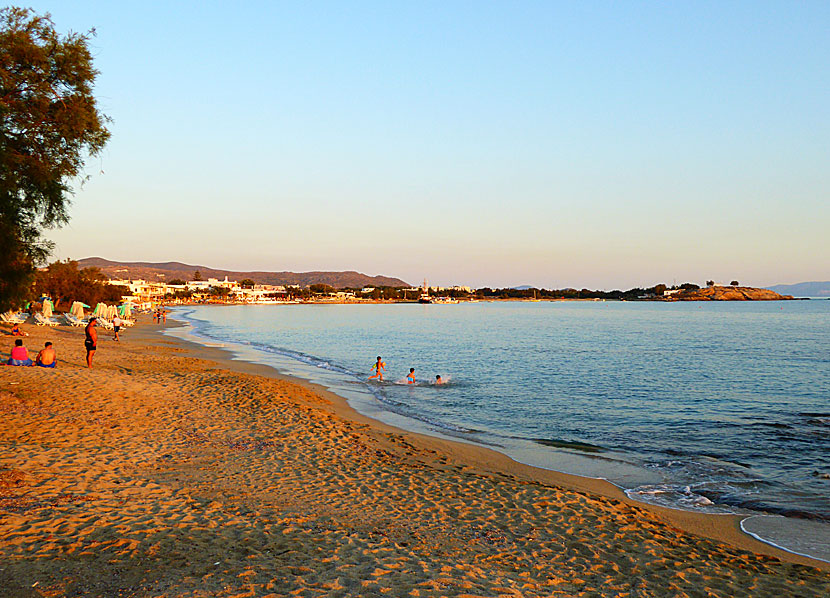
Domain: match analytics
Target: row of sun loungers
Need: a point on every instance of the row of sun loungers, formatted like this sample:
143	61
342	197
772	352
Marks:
68	318
14	318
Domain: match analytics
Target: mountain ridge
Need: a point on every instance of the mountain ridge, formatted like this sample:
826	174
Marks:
157	271
803	289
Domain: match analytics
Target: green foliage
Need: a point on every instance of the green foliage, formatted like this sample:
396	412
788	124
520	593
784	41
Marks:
710	283
688	286
197	275
49	125
247	283
16	269
321	288
219	291
735	283
177	281
64	283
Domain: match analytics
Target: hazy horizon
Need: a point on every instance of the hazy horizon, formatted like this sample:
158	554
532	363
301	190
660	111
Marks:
590	145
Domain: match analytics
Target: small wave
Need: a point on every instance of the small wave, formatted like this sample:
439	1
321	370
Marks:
777	425
570	444
676	497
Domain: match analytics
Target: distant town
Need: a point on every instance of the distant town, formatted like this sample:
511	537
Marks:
247	291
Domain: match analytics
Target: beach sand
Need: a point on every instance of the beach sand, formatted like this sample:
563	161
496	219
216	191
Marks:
161	472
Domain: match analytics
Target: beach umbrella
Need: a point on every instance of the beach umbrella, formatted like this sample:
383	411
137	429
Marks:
77	309
99	310
127	310
112	311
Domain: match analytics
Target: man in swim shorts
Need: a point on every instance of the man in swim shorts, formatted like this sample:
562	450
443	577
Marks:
116	326
410	377
378	368
20	355
90	340
47	358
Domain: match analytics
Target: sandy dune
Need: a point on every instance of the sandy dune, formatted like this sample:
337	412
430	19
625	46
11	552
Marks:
161	474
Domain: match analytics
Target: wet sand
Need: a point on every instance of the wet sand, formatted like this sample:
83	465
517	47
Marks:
169	470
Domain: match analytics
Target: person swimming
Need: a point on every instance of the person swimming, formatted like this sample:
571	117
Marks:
378	368
410	377
438	379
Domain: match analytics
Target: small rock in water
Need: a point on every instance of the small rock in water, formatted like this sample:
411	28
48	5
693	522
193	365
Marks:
702	500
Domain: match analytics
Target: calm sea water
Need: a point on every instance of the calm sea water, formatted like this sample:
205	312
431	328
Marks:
720	407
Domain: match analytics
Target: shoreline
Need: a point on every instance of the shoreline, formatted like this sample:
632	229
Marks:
724	527
172	469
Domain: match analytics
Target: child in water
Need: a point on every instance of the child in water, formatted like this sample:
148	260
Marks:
378	368
410	378
438	379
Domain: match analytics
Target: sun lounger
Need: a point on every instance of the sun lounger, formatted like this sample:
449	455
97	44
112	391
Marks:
73	320
42	320
12	318
106	324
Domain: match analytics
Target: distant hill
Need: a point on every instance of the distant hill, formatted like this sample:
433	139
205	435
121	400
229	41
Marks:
803	289
166	271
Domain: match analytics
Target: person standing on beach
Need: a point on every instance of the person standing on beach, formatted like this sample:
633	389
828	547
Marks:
116	326
91	340
378	368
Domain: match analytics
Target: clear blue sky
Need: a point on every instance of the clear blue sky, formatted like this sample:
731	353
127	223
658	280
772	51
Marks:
590	144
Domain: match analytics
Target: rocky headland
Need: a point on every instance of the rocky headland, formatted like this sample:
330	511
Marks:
716	293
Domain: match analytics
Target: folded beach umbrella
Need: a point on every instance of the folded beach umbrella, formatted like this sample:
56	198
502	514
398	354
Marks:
77	309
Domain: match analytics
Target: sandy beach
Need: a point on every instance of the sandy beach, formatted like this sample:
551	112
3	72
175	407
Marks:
169	470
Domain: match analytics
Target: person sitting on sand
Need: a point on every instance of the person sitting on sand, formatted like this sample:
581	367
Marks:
378	367
410	377
16	331
47	358
90	340
20	355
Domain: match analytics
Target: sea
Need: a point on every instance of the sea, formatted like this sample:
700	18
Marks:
717	407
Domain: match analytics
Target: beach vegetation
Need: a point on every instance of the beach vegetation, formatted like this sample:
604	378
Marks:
734	283
710	283
247	283
177	282
321	289
64	282
49	126
219	291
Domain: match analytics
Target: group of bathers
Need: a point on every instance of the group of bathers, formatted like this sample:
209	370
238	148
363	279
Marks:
20	356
